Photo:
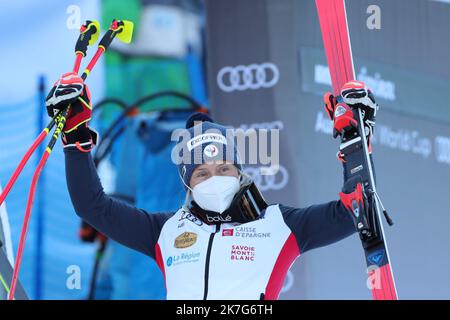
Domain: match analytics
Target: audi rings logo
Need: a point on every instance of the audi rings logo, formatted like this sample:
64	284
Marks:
251	77
268	182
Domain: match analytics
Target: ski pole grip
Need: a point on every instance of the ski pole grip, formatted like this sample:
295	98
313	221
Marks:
107	39
123	29
89	32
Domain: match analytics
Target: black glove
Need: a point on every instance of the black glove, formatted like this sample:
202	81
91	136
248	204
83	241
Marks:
354	95
70	90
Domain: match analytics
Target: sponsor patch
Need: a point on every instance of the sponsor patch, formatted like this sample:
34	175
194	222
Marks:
250	232
218	218
211	151
242	253
183	258
227	232
205	138
356	169
376	257
340	110
185	240
189	216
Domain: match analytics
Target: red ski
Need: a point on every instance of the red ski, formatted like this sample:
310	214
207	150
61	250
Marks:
336	40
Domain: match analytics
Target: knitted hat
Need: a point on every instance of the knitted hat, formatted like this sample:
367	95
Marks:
202	142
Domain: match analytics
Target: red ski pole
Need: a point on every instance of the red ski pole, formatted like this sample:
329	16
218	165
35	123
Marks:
25	159
61	120
88	35
89	32
124	30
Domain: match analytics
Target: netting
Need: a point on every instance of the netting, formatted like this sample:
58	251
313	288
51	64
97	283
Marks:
60	246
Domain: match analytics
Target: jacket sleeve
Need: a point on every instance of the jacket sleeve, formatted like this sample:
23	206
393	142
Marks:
119	221
318	225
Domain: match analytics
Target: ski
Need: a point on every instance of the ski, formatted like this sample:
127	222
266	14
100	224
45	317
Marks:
6	272
355	150
6	255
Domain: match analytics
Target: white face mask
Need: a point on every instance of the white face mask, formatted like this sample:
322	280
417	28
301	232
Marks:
216	193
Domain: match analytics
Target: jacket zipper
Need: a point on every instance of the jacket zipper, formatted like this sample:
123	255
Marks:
208	257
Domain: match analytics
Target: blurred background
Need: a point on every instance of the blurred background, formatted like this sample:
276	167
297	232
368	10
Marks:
252	64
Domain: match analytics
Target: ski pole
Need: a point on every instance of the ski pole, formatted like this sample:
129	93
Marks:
88	35
98	258
26	157
61	121
124	31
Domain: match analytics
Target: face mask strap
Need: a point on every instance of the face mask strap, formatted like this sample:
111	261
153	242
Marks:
188	194
245	177
187	199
